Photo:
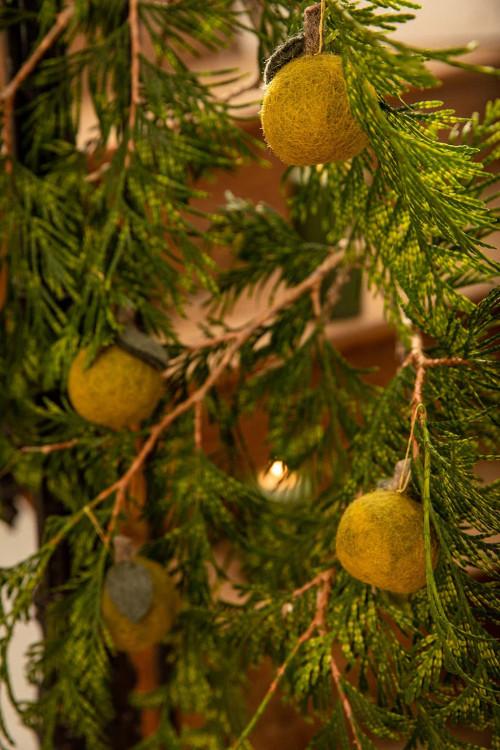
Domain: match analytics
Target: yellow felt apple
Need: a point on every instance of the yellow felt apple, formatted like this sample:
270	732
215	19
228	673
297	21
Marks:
305	113
139	603
118	389
380	540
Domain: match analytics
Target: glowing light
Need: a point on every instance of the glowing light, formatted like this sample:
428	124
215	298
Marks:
277	480
278	469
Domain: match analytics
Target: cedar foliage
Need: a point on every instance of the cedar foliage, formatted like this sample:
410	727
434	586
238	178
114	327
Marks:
415	212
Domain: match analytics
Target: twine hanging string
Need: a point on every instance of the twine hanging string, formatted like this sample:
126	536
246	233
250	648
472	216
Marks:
405	476
321	26
314	17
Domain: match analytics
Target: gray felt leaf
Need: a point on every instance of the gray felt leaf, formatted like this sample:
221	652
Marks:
130	588
143	346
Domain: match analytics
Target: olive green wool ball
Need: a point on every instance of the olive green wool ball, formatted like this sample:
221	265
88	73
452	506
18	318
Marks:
132	636
380	540
117	389
305	113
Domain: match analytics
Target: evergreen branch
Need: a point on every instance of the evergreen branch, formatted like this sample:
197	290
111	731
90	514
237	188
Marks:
448	631
331	262
316	301
317	623
417	219
326	579
239	338
341	278
71	523
43	449
7	95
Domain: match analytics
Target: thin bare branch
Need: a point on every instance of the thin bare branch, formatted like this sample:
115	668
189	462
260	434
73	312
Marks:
51	448
198	416
62	20
135	50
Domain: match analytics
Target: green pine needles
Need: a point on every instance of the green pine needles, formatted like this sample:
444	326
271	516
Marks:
96	233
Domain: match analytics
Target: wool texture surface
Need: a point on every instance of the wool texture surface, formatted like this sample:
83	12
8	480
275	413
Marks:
118	389
305	113
132	636
380	540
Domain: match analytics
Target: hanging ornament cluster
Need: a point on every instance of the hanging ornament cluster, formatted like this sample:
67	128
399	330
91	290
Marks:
305	113
123	384
139	603
380	541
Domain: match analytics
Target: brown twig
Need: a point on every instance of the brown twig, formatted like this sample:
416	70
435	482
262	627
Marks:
322	601
7	96
420	362
8	143
45	449
345	701
316	581
316	301
135	50
311	284
325	575
324	580
119	504
224	338
198	416
62	20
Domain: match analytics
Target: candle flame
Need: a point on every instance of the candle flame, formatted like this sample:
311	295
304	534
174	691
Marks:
278	469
